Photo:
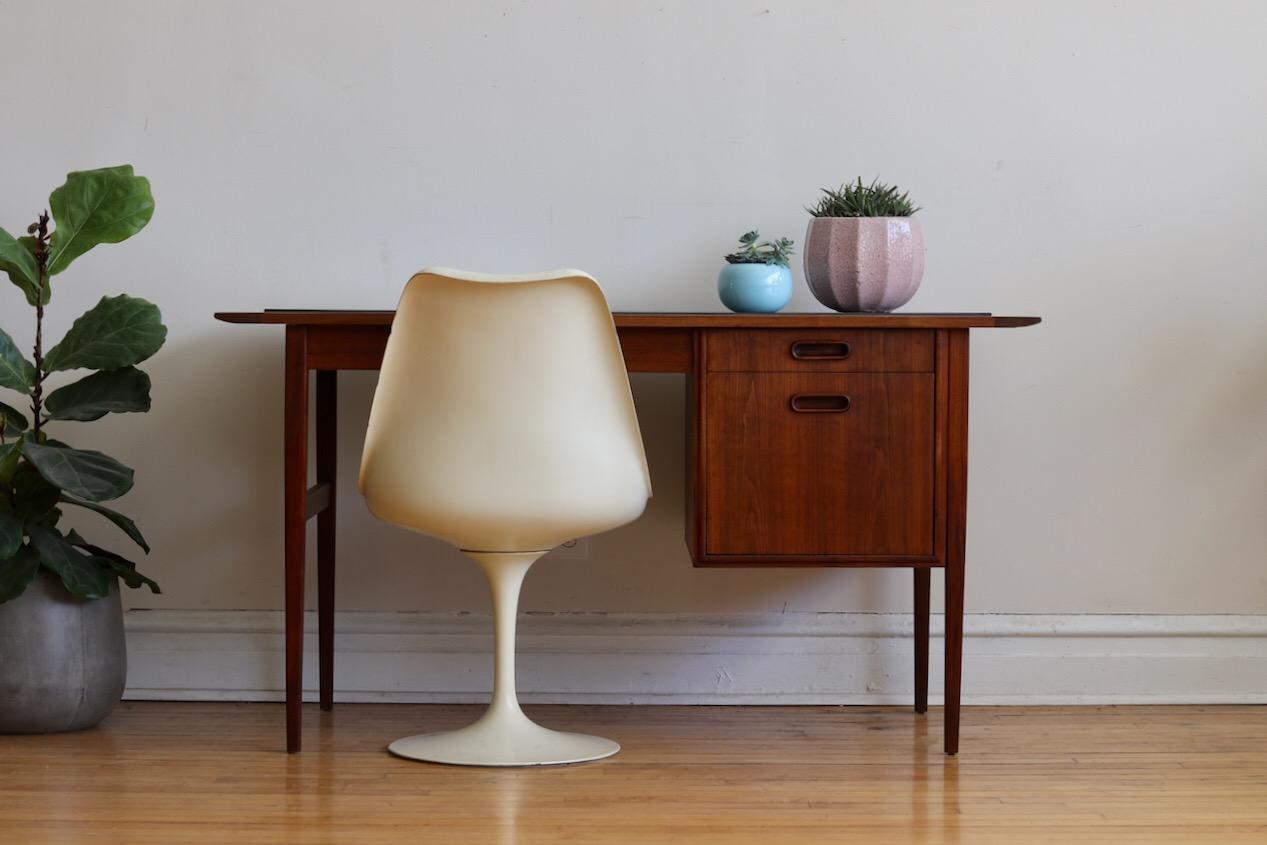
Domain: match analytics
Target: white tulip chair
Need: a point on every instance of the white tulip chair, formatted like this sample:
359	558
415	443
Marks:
503	424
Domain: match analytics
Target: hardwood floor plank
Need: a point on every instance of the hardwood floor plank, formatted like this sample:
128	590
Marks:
162	772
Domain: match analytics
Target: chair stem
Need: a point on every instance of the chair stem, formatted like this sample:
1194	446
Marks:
505	572
504	735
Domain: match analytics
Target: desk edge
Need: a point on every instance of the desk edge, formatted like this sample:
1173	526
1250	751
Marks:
824	320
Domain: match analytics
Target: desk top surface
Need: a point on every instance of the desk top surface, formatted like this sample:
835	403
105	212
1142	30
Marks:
672	320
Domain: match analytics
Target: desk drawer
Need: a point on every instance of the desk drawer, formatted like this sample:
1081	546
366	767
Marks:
820	350
818	464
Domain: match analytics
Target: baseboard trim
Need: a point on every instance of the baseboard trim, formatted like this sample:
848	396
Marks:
777	658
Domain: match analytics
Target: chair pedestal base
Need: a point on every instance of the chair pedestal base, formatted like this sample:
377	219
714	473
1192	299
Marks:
504	736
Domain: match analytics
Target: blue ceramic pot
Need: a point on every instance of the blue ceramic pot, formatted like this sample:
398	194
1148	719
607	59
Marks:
755	288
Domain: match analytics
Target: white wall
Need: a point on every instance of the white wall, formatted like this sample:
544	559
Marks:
1100	165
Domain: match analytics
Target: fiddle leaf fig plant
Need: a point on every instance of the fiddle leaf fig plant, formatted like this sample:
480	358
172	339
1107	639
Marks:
39	474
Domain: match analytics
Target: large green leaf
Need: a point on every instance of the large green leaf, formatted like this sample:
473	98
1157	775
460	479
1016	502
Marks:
17	572
33	496
82	473
17	261
14	422
117	332
9	455
82	575
94	396
118	564
16	373
97	207
127	571
128	526
10	535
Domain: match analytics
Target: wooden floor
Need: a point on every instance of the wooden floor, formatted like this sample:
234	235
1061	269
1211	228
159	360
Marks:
214	773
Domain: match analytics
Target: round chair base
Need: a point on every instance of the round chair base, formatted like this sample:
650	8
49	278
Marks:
513	740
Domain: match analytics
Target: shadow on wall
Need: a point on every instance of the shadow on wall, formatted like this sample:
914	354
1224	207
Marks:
208	471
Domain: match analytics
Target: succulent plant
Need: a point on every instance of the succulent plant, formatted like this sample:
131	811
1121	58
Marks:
752	251
854	199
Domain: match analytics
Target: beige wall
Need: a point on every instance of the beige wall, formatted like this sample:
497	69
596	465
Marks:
1098	164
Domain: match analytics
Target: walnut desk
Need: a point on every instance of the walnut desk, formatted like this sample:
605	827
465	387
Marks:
815	440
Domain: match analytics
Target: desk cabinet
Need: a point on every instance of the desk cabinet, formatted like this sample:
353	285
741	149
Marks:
817	448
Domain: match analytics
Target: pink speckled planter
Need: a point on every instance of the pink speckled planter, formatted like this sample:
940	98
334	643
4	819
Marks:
864	263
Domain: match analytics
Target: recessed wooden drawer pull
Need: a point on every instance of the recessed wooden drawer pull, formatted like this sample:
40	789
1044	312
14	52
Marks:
820	403
818	350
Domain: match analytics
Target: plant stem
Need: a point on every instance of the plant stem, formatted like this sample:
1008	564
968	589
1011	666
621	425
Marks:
40	231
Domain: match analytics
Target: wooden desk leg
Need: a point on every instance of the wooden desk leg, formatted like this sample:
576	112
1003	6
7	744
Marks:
956	529
295	519
923	577
954	652
327	458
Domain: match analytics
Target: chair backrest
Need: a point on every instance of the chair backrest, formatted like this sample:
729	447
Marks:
503	419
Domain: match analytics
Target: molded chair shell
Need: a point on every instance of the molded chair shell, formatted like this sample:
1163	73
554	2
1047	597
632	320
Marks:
503	419
503	423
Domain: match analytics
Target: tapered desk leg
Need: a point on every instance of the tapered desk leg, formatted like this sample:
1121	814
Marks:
294	517
922	580
327	458
956	528
954	652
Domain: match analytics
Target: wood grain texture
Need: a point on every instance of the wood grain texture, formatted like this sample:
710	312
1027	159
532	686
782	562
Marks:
295	520
855	483
347	347
327	425
209	774
956	527
840	350
825	320
360	347
696	460
649	350
923	594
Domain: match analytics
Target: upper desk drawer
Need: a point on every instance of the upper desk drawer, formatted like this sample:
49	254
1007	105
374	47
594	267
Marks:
819	350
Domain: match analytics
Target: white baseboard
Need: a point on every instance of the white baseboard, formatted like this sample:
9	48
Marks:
778	658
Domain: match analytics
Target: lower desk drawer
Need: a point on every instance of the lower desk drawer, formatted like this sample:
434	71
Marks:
818	464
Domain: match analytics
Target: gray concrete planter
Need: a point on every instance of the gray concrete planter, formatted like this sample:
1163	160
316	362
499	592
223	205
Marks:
63	662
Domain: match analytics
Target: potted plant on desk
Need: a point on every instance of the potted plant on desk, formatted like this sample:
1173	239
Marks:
864	251
756	278
61	623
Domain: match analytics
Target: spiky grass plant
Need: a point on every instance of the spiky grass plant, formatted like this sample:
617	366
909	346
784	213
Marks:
854	199
752	252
